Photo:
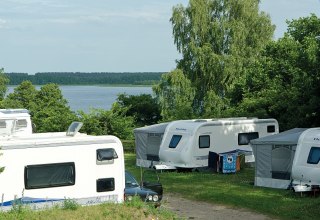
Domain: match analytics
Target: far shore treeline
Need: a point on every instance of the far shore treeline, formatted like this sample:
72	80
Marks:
84	78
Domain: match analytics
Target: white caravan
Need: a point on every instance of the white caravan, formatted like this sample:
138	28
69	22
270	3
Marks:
44	169
186	143
306	166
15	122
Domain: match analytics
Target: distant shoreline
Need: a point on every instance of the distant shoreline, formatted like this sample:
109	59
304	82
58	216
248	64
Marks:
80	79
101	85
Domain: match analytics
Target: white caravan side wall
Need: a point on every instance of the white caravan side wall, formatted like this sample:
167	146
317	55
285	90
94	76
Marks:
306	164
223	138
82	152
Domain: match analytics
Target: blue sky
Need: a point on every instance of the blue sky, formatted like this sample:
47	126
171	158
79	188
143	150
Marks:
104	35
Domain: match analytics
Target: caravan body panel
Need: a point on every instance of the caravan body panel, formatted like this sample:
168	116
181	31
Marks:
306	163
186	144
81	168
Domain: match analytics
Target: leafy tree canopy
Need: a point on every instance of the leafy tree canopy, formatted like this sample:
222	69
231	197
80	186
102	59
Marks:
285	84
175	94
144	108
113	122
219	40
49	110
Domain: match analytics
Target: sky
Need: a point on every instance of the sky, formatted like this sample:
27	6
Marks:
104	35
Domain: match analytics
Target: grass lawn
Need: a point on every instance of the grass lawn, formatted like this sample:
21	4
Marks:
135	209
236	190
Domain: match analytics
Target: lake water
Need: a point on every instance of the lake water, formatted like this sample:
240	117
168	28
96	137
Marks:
102	97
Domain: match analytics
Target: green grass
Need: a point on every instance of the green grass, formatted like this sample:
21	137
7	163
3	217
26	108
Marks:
135	209
236	190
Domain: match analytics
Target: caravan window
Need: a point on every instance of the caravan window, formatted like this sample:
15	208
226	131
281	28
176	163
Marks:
244	138
105	185
204	141
21	123
271	128
3	124
314	155
49	175
175	141
106	156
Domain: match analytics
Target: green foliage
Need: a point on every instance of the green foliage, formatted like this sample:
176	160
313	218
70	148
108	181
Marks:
102	211
113	122
23	96
285	84
80	78
69	204
135	202
3	84
144	108
175	94
49	110
218	40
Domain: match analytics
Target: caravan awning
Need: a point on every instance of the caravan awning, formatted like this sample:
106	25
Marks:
289	137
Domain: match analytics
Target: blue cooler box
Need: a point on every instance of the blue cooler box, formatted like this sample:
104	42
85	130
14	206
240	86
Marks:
229	162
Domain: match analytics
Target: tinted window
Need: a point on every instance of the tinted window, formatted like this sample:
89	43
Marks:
106	154
204	141
271	128
244	138
105	185
22	123
49	175
314	155
175	141
130	180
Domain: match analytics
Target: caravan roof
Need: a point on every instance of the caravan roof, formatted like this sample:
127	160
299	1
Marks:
193	125
157	128
289	137
9	113
52	139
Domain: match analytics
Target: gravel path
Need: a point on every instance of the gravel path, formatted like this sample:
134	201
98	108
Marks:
188	209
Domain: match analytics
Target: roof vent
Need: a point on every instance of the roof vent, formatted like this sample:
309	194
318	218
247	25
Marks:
74	128
200	120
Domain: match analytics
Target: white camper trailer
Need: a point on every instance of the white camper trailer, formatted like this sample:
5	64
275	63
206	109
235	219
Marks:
46	168
186	143
306	162
15	122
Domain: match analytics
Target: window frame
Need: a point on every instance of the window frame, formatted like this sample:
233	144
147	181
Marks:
28	168
271	128
199	141
248	137
99	190
20	125
313	149
105	161
174	145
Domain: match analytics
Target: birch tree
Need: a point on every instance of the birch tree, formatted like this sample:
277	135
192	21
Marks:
218	41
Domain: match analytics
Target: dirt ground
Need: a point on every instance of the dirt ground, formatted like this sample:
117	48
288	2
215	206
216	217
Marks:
188	209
